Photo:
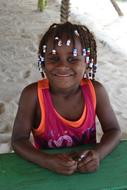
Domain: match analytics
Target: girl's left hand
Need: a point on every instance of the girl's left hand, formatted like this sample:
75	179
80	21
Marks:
89	162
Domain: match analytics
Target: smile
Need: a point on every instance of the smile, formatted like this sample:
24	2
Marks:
63	75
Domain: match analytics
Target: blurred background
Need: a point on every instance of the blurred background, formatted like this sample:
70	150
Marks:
21	24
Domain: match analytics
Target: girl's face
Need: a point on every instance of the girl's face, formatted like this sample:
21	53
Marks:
63	69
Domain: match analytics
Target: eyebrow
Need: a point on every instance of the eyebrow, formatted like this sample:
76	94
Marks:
50	53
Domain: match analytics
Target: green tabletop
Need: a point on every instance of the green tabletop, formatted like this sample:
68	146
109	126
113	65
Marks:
19	174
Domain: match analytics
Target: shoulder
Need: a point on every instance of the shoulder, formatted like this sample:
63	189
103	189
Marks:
30	88
96	88
29	93
101	93
99	87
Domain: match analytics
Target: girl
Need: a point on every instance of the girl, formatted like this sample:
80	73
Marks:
60	110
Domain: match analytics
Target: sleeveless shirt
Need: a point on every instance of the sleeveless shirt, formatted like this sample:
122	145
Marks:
55	131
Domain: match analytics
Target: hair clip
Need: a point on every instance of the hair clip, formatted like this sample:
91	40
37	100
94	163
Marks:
53	51
44	48
68	42
75	52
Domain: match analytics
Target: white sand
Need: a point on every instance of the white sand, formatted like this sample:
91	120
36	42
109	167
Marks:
20	27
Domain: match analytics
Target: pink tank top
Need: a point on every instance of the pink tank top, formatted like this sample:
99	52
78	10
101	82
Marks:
56	131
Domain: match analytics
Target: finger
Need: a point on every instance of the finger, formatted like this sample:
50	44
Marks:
84	161
68	162
67	171
74	155
70	169
90	167
68	156
88	162
89	157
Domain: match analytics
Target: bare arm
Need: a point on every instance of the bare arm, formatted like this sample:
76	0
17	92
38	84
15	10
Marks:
108	120
23	124
111	132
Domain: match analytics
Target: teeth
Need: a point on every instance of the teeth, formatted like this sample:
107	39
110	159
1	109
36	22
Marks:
63	75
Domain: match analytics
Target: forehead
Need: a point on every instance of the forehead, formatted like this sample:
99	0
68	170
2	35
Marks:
66	42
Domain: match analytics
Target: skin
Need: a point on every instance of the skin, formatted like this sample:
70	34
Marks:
64	73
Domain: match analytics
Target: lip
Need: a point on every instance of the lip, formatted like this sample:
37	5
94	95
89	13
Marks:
63	75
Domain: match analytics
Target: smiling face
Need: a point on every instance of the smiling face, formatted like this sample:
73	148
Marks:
63	69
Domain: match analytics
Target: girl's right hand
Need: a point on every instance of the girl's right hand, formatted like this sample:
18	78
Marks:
61	163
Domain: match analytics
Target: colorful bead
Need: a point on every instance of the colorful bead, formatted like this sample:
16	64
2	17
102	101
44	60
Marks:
54	26
40	63
88	51
44	48
60	43
91	64
68	43
53	51
90	75
40	69
84	52
75	52
40	59
94	68
76	32
56	38
87	59
39	66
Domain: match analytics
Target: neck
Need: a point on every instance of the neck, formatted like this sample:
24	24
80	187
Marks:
65	92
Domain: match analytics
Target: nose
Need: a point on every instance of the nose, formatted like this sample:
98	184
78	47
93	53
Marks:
63	63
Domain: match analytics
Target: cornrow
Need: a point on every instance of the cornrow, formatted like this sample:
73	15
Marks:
85	36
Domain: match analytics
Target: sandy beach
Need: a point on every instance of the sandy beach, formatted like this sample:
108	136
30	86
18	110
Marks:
20	28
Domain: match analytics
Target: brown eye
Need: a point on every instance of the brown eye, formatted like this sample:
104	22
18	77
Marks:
53	59
72	59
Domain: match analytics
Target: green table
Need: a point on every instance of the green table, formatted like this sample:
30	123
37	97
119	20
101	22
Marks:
19	174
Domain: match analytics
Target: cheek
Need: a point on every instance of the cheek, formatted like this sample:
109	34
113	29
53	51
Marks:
82	67
48	67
